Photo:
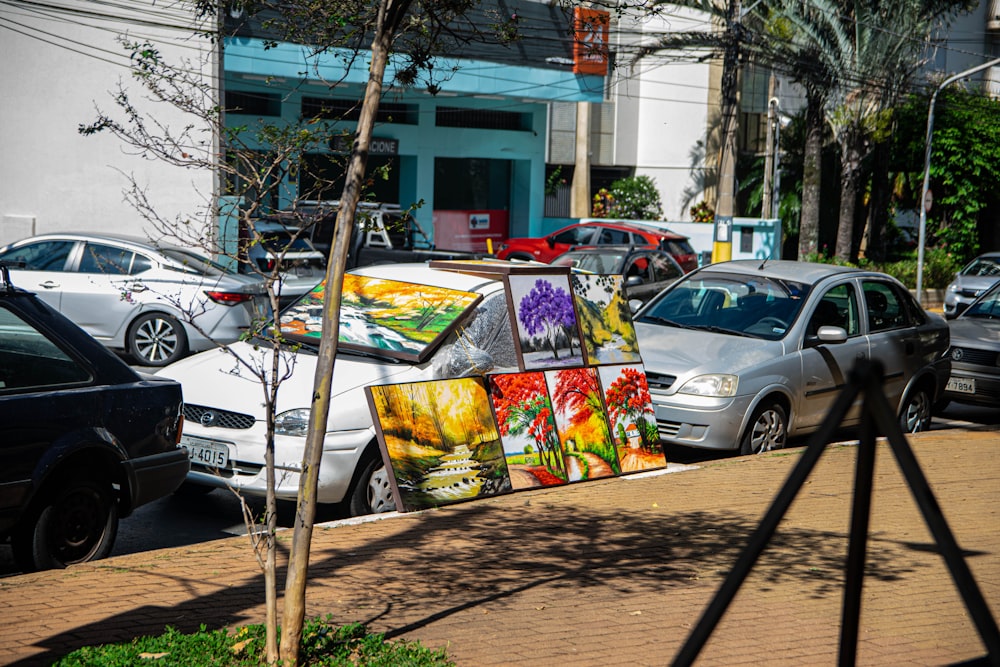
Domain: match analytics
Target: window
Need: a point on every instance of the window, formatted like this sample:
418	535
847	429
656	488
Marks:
42	256
885	307
106	259
29	361
253	104
837	308
664	269
344	109
484	119
613	237
575	236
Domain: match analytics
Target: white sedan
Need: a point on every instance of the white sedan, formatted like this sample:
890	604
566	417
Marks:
225	427
135	296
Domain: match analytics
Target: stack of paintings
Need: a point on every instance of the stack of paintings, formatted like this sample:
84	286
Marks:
578	409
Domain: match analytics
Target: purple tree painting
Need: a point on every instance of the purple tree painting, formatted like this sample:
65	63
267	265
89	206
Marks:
547	323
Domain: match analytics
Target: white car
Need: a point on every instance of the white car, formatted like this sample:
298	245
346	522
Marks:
224	428
135	296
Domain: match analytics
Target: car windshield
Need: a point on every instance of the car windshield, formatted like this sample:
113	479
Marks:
987	307
278	241
983	266
749	305
591	261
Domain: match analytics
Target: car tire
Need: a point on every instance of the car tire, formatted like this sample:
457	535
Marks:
155	339
768	429
371	492
75	522
915	411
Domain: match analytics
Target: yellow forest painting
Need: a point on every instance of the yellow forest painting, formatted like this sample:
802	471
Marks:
440	441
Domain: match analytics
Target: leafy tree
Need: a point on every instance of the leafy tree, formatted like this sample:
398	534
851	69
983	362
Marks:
965	164
635	198
628	399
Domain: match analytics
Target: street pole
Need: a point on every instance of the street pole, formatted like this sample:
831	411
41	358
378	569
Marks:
725	207
923	203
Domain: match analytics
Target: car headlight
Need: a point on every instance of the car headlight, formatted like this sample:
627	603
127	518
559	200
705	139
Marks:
293	422
953	287
715	386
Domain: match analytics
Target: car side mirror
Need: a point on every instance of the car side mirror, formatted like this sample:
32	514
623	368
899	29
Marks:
634	305
829	334
633	281
551	241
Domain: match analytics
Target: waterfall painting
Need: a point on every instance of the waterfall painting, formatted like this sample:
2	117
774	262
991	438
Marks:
608	333
440	441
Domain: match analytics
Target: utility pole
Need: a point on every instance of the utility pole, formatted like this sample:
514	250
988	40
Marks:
770	150
725	207
579	202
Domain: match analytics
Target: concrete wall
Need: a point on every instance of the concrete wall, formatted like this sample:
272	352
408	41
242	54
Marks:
54	71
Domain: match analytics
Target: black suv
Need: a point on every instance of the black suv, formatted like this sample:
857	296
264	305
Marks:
84	439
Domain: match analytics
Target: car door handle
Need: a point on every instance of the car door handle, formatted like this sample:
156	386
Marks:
49	284
137	287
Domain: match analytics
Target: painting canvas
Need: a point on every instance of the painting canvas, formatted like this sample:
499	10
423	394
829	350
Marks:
440	441
605	319
394	318
582	424
548	333
632	418
527	429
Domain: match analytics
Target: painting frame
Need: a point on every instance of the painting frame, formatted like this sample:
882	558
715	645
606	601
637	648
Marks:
494	266
606	328
524	416
419	426
628	406
578	409
543	312
372	306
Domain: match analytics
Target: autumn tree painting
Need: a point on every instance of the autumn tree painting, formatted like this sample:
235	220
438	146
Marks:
440	440
582	424
527	429
632	418
605	319
548	331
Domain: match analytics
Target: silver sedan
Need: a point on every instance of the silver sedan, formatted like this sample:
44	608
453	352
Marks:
744	354
155	302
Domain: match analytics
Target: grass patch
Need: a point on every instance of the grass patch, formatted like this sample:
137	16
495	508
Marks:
322	644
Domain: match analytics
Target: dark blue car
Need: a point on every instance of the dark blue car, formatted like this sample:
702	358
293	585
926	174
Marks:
84	439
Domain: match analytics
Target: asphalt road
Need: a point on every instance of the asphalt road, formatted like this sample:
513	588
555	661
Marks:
192	518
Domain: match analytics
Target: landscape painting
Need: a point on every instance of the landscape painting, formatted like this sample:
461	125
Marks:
582	424
548	333
440	441
605	319
632	418
527	429
397	319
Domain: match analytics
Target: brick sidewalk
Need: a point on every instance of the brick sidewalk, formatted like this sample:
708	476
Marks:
607	572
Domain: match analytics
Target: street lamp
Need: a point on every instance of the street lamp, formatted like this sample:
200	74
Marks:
923	203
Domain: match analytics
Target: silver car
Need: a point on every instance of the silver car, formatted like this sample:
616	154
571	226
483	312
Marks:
135	296
975	278
745	354
975	352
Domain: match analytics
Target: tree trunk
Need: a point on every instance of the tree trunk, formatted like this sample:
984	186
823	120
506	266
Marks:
850	167
812	161
390	12
878	205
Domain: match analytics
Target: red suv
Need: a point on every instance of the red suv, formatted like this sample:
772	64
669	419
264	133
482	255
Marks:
613	232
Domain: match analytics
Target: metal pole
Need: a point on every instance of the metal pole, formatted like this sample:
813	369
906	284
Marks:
927	168
776	187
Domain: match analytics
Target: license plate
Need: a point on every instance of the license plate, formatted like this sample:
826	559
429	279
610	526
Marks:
208	453
961	385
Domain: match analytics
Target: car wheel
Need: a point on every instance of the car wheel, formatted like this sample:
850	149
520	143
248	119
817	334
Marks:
155	339
78	522
915	415
768	429
372	492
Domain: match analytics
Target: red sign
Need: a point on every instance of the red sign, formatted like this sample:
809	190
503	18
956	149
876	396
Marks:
590	41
